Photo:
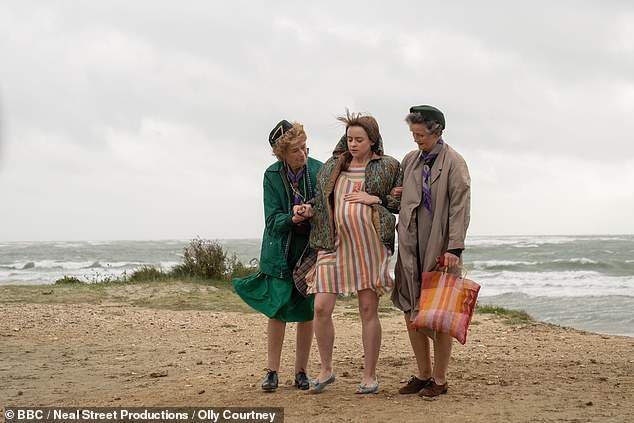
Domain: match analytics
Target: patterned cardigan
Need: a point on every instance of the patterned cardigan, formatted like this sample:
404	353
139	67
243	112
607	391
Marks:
382	174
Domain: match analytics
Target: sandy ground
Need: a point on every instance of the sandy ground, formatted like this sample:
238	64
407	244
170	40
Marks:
121	355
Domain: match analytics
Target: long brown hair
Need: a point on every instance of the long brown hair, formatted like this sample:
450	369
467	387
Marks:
368	123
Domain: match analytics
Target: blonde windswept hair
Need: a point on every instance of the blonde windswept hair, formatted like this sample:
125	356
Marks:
293	135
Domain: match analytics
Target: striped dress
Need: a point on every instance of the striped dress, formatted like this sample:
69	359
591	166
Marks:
360	260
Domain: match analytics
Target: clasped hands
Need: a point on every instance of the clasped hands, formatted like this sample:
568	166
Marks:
302	212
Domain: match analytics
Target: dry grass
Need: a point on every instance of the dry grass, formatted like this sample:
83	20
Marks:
167	294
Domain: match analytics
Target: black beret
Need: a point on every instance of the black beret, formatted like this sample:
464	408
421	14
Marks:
429	113
279	130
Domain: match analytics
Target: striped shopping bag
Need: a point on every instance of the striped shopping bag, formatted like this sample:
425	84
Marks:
446	303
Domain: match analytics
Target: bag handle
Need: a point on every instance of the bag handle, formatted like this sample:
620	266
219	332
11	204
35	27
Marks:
440	264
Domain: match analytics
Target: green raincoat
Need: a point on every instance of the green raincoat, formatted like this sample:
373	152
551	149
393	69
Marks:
271	291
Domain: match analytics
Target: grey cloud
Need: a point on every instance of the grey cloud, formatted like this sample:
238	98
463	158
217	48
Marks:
172	92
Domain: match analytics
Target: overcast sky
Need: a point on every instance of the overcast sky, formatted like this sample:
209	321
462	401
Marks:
149	119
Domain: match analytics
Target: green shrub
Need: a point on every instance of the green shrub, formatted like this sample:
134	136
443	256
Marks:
237	269
147	273
68	280
202	258
105	277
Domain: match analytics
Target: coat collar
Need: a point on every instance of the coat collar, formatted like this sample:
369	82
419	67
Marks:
436	169
346	157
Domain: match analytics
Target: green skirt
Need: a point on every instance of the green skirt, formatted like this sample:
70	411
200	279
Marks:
275	298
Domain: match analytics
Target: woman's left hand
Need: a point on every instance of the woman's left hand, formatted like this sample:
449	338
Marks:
362	197
303	210
451	260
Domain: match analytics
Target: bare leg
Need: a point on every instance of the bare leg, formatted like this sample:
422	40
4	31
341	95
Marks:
370	334
303	342
442	354
325	331
421	348
275	330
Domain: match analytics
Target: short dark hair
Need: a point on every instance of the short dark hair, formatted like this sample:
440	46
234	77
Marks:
418	119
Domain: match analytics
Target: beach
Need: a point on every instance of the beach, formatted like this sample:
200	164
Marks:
581	281
177	345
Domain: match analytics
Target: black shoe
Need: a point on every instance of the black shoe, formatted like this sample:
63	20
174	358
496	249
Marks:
301	380
270	381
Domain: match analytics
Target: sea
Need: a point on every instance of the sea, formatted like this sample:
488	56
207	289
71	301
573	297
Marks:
585	282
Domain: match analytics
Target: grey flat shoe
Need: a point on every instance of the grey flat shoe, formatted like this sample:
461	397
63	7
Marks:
367	389
316	386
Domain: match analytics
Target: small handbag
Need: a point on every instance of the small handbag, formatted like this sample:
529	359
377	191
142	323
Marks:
446	303
304	265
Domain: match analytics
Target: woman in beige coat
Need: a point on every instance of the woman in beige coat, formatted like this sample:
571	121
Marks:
433	221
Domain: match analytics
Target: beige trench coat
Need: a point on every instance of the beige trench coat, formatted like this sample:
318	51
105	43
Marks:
451	208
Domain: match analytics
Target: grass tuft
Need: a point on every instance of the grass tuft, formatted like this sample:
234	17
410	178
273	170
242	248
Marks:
511	316
68	280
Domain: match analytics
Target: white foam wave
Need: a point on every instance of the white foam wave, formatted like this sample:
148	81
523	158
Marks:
553	284
52	265
527	241
98	243
68	245
483	264
576	260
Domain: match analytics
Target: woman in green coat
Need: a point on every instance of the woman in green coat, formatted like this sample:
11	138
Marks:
288	184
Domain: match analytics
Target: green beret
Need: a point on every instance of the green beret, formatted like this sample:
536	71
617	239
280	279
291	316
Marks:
279	130
429	113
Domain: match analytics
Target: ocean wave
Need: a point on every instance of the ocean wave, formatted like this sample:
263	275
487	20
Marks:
47	272
489	242
611	314
99	243
579	260
553	284
528	241
35	266
500	264
51	265
68	244
124	264
612	268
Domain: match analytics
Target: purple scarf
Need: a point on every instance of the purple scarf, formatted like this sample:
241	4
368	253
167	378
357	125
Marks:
294	181
428	158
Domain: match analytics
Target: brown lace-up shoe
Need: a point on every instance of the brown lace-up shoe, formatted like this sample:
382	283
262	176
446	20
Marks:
414	386
433	390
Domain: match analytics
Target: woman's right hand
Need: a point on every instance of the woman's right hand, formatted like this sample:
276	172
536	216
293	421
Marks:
302	212
396	192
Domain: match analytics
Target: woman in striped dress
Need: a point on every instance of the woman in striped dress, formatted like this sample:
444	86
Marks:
353	231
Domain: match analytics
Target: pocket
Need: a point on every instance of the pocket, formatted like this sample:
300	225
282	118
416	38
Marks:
271	249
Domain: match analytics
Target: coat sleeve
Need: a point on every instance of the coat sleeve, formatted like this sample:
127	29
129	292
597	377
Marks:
277	217
459	204
393	203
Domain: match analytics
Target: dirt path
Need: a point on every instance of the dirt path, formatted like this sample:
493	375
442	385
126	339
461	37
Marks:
116	354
